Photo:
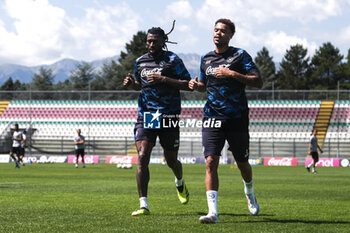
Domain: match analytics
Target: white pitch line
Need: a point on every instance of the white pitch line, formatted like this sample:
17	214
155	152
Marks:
11	183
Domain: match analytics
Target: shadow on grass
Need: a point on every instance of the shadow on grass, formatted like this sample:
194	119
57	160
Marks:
301	221
221	214
257	219
235	215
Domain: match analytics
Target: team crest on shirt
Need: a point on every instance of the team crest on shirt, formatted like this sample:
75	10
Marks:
162	63
229	59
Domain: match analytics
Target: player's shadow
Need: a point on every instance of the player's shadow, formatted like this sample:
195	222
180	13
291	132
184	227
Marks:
258	219
299	221
235	215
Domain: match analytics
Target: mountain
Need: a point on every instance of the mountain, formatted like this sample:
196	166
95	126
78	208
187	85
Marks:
62	69
192	62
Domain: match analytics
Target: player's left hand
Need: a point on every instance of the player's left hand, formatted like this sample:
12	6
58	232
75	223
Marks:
223	72
155	78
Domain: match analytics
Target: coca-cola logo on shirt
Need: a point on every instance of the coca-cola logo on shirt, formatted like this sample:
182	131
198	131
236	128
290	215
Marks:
146	72
281	161
211	70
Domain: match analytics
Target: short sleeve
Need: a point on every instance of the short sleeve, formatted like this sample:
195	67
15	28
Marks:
137	75
248	63
202	76
180	70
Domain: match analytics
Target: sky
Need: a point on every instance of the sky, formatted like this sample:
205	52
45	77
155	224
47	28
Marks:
41	32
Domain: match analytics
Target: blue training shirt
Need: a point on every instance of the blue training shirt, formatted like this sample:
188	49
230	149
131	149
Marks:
162	97
226	96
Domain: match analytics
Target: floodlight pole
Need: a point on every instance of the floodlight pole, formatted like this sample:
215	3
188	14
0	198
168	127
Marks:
88	136
30	133
273	118
338	120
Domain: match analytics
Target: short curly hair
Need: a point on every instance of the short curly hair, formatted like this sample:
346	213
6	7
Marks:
229	23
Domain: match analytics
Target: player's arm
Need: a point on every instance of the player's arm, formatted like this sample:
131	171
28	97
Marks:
319	148
309	149
252	79
24	141
177	83
130	83
196	85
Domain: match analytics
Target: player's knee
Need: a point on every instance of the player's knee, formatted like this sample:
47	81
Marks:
243	165
212	164
143	159
172	162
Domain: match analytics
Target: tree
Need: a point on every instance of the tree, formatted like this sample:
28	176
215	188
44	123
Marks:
267	67
346	83
81	77
113	73
294	69
66	85
8	85
327	67
43	81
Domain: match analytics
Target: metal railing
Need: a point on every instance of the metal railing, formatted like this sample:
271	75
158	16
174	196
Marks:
186	95
259	146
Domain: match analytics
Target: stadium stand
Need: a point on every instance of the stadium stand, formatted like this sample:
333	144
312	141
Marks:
272	124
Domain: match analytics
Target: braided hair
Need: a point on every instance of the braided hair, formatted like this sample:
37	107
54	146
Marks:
160	32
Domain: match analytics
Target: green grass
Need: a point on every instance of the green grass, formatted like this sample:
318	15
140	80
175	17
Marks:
100	198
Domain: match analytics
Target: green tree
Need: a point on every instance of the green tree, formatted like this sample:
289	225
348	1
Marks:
8	85
346	80
113	73
294	69
43	80
327	67
266	66
81	77
66	85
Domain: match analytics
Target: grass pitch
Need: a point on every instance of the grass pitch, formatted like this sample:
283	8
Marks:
100	198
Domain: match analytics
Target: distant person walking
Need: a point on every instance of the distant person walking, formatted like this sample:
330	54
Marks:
16	144
79	142
23	146
313	146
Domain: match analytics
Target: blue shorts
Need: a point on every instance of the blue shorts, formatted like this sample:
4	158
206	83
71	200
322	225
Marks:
235	131
168	137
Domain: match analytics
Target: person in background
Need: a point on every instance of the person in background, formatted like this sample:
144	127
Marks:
79	142
313	146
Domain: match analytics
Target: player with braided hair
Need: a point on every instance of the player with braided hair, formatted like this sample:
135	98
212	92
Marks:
159	74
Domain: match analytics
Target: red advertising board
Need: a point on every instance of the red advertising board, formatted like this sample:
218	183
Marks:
121	159
280	161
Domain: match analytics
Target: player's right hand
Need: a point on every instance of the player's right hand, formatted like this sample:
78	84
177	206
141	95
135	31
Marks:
128	80
193	84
